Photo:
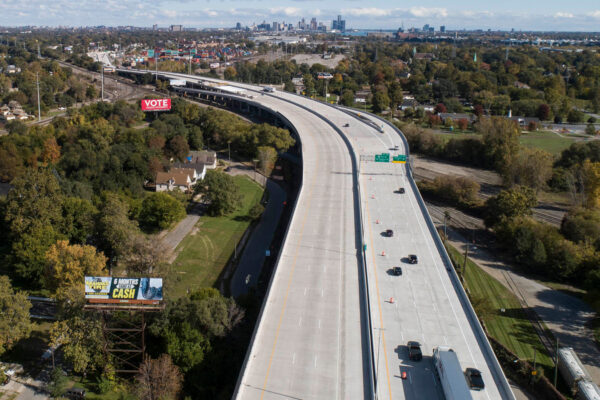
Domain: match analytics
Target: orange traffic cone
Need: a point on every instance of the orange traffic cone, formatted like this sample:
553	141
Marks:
383	253
391	300
377	221
372	196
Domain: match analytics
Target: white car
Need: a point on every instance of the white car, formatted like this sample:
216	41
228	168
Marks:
62	108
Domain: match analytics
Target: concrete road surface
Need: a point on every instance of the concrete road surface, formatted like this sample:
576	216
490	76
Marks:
249	267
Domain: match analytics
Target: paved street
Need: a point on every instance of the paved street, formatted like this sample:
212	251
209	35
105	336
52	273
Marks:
252	259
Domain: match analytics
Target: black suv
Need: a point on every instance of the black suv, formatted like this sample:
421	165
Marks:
389	233
401	190
474	379
397	271
414	351
412	259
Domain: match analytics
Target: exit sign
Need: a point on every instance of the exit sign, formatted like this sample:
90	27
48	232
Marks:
383	157
400	158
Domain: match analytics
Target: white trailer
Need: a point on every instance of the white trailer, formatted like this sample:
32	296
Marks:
177	82
450	373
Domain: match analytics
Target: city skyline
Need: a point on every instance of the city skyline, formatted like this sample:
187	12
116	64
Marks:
385	14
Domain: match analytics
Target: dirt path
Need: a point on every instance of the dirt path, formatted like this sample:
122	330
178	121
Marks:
564	315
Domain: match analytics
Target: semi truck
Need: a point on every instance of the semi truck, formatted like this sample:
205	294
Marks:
450	374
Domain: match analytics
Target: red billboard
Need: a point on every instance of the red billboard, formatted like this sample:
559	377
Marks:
156	104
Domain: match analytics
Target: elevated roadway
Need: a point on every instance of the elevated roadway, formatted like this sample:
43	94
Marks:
426	304
311	338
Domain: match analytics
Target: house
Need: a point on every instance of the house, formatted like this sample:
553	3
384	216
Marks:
424	56
8	117
521	85
200	168
408	103
457	116
177	178
208	158
12	69
525	121
4	110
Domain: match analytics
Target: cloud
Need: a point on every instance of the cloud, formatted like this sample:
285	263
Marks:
428	12
288	11
561	14
367	12
594	14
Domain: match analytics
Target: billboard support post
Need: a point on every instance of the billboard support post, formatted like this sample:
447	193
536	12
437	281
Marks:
123	304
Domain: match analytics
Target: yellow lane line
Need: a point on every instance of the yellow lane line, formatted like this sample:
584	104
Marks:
382	331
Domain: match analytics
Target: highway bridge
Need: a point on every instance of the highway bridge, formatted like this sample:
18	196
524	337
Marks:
335	321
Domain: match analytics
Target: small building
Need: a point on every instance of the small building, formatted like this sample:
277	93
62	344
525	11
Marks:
208	158
12	69
525	121
200	168
177	178
424	56
457	116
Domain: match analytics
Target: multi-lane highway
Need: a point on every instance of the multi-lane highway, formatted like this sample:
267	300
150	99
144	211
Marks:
321	334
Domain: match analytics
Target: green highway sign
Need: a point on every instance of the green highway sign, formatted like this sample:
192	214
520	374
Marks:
383	157
400	158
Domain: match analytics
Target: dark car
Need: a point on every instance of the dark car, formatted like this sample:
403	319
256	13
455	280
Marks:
412	258
75	393
401	190
397	271
474	379
414	351
346	125
389	233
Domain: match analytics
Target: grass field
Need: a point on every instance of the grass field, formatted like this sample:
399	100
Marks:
205	251
548	141
511	327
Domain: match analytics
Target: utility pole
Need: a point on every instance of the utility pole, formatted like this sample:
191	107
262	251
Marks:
446	216
102	82
37	83
466	255
229	150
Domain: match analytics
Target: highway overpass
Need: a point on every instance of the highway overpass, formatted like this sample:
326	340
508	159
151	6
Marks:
328	327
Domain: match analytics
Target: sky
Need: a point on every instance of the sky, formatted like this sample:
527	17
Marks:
547	15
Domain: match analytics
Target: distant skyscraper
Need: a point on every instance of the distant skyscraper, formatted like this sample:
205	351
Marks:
339	24
176	28
238	26
443	28
155	27
313	24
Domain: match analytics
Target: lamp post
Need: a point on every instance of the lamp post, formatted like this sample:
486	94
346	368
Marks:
37	82
255	162
229	151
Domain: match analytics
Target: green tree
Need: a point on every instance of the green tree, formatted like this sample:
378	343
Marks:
35	198
530	167
510	203
381	102
178	147
115	231
590	129
501	139
82	343
160	211
220	192
256	211
347	98
58	383
78	219
14	315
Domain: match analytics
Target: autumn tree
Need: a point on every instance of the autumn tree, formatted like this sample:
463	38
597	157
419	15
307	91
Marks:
15	323
591	174
67	265
267	157
501	139
115	230
220	192
51	151
147	256
530	167
158	379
